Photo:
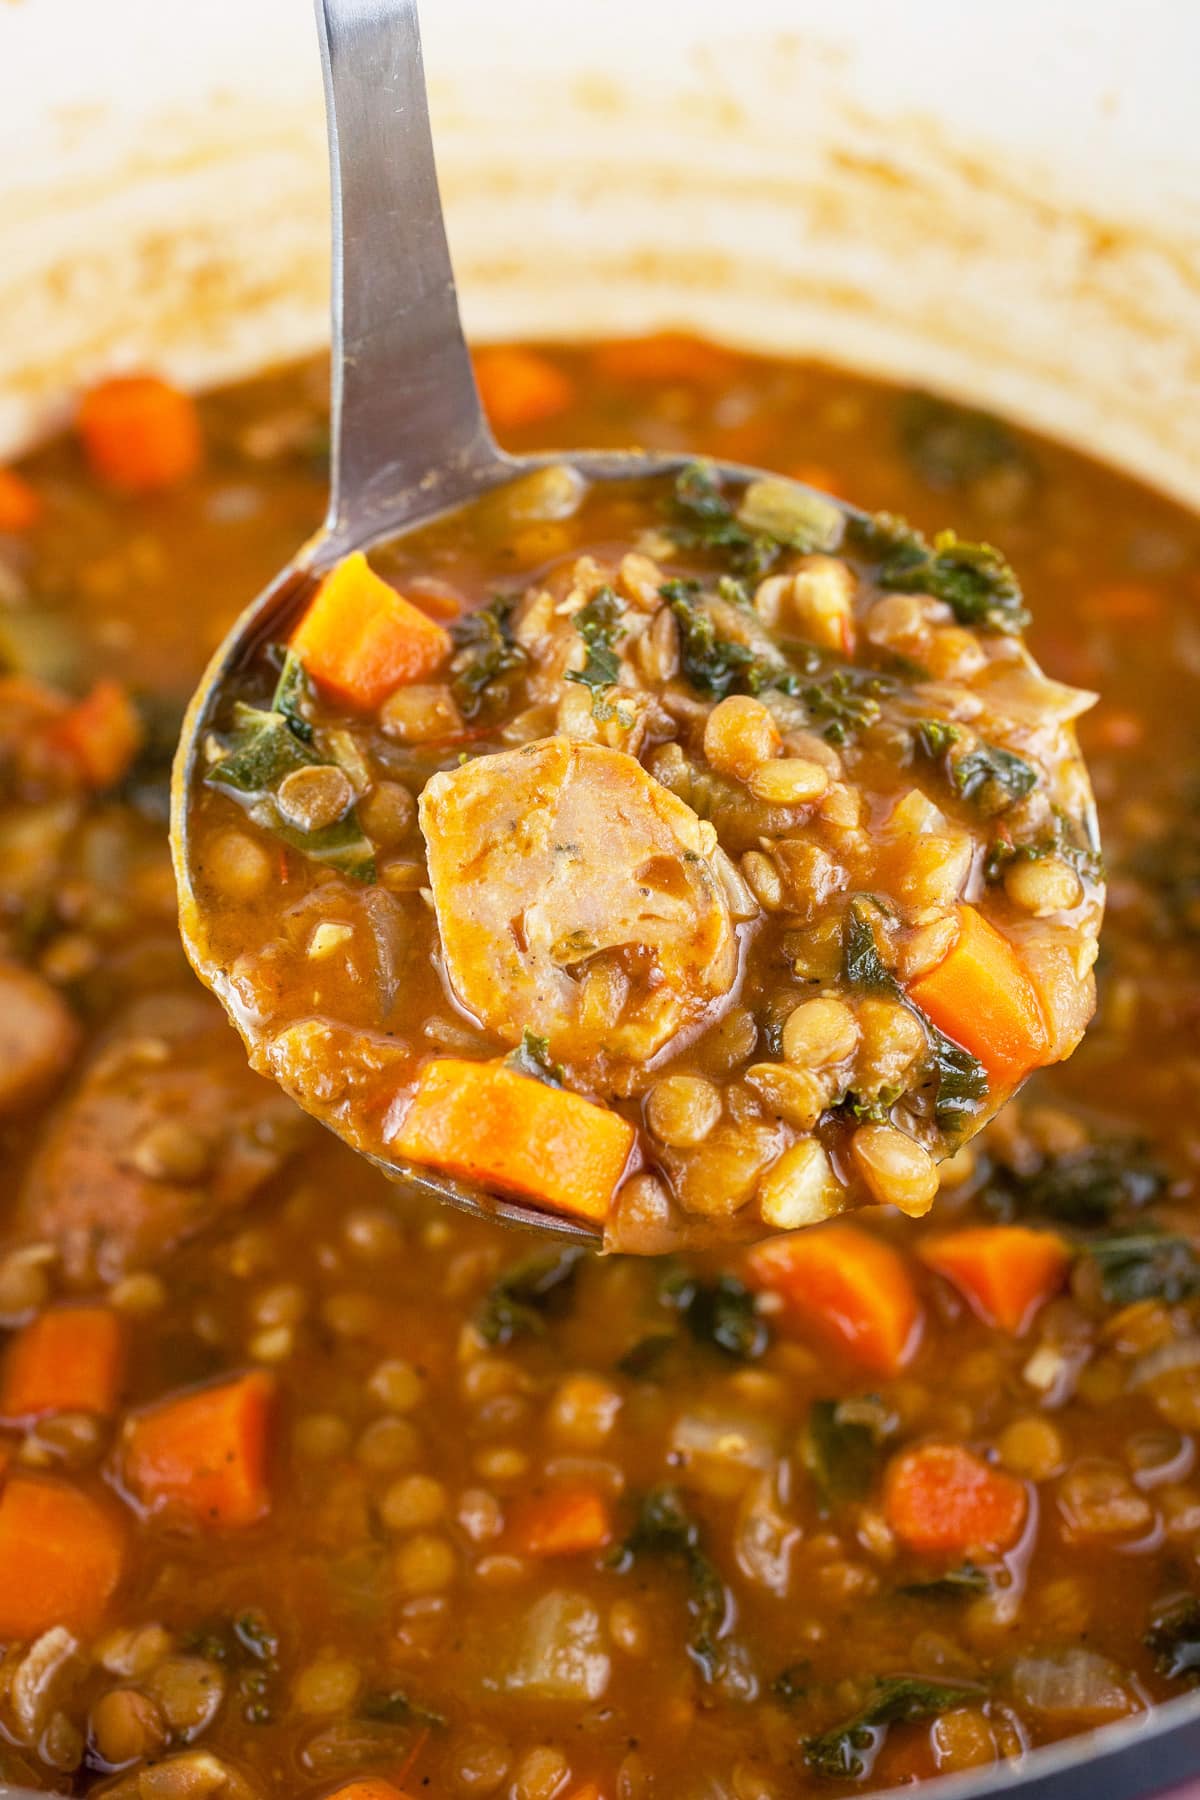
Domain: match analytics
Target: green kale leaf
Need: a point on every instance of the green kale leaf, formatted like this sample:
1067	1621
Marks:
532	1057
720	1313
1174	1640
665	1528
714	665
532	1290
991	779
1146	1265
486	651
840	1449
846	1751
701	518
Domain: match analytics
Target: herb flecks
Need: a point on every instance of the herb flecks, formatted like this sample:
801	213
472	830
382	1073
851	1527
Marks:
532	1057
392	1706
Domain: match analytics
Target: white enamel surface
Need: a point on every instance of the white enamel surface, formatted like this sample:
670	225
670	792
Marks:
1004	201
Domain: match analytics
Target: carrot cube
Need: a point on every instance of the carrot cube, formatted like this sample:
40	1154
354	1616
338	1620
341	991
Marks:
362	640
486	1123
62	1555
203	1455
69	1359
844	1287
140	434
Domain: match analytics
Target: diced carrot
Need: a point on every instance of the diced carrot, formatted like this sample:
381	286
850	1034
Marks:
69	1359
101	733
1113	728
941	1499
980	995
20	504
367	1787
361	639
566	1522
487	1123
1006	1271
589	1791
844	1287
664	356
203	1454
140	434
518	387
61	1557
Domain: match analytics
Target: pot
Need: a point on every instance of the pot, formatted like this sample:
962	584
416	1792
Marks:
1002	203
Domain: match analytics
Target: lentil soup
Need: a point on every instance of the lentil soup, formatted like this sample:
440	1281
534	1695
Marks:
308	1487
733	862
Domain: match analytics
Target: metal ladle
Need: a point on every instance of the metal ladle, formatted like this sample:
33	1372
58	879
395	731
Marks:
409	438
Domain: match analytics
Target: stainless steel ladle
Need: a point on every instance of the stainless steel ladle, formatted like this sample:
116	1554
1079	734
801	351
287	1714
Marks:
409	438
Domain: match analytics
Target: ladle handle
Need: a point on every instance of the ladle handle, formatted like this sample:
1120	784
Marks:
408	432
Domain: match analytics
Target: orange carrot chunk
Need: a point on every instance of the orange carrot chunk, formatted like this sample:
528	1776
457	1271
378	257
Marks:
980	995
20	504
367	1787
485	1123
844	1287
518	387
70	1359
589	1791
567	1522
361	639
140	434
941	1499
61	1557
101	733
1006	1271
203	1455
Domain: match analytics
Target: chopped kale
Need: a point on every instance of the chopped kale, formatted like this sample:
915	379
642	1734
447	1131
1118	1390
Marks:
643	1360
266	746
991	779
847	699
1145	1265
701	518
862	965
291	690
665	1528
714	665
793	1683
486	651
962	1082
935	736
1168	866
599	625
391	1706
953	447
248	1648
954	1584
1087	1188
1174	1640
840	1450
532	1057
1065	837
520	1301
720	1313
974	580
846	1751
263	748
